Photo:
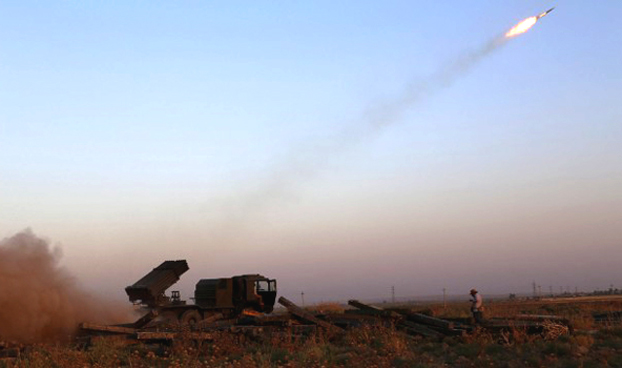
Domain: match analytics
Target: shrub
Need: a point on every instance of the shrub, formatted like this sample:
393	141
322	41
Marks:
557	348
615	361
494	349
610	342
583	340
469	350
279	355
616	331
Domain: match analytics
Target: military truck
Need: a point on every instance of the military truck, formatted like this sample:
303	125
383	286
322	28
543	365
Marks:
227	296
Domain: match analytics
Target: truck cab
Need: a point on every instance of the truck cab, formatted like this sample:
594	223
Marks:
239	292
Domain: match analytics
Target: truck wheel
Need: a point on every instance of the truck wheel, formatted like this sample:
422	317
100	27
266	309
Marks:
190	317
169	318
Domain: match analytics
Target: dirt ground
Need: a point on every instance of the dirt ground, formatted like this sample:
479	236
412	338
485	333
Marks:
595	342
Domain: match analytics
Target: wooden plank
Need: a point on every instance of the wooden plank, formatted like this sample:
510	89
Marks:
356	320
356	304
209	321
105	328
362	313
220	325
449	331
274	320
144	320
508	323
431	321
540	317
415	328
370	309
303	314
383	314
144	335
425	319
417	321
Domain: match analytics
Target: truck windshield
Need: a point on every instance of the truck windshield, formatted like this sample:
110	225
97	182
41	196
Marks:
263	286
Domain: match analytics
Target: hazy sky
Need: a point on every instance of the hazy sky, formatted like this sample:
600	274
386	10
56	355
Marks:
321	144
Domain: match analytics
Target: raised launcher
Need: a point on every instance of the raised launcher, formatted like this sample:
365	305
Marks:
227	297
149	291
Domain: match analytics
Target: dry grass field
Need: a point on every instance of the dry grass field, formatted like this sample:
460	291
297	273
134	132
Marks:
592	344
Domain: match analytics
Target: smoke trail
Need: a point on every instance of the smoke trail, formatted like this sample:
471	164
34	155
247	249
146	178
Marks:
39	300
391	111
307	161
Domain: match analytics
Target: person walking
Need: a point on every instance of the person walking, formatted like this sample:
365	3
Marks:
476	306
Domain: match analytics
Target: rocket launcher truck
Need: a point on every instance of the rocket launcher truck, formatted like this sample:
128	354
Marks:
226	296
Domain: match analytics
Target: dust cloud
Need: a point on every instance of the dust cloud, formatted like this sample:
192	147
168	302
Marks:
41	301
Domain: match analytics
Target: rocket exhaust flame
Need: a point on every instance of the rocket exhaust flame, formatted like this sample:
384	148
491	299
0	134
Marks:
522	27
526	24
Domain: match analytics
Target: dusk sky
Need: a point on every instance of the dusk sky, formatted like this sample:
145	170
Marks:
339	147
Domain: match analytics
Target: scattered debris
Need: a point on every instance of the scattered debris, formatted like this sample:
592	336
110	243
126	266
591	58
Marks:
238	305
412	322
106	328
553	330
307	316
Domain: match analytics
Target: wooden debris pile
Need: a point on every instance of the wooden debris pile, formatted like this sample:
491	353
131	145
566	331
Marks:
301	321
410	322
150	328
547	325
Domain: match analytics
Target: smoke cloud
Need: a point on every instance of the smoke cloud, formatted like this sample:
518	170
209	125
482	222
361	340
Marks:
41	301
